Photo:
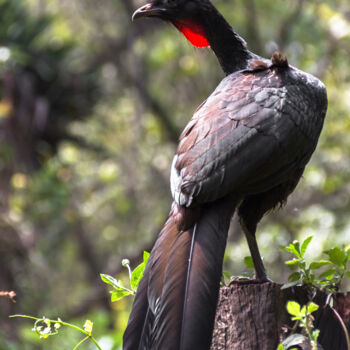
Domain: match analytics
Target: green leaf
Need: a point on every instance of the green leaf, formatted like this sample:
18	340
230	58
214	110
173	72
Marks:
311	307
227	275
248	261
293	308
305	244
315	334
347	274
136	276
119	294
294	277
329	274
280	347
292	263
317	264
294	249
110	280
145	257
337	256
303	310
137	273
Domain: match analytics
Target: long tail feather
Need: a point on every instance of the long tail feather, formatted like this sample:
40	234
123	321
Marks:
175	304
159	260
138	331
186	314
203	279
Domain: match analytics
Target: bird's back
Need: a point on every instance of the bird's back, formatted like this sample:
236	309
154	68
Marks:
250	135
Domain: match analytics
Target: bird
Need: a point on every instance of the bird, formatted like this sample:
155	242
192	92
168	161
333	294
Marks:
244	150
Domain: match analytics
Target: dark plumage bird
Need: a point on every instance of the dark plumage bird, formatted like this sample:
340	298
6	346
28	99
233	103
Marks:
244	149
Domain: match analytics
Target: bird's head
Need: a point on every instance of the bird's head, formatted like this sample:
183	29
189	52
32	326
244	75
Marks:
185	15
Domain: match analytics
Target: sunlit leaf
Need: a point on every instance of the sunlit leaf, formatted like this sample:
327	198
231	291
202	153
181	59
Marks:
293	308
305	244
110	280
119	294
136	276
311	307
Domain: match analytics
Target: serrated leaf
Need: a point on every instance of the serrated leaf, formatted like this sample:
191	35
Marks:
337	256
110	280
293	308
295	276
289	285
119	294
136	276
317	264
305	244
312	307
248	261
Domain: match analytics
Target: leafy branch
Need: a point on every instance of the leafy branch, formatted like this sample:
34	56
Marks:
304	320
135	276
337	261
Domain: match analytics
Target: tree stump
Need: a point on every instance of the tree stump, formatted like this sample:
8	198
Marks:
254	317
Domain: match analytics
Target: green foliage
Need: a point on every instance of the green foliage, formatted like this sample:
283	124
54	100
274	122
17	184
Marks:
337	266
45	327
305	320
135	276
244	276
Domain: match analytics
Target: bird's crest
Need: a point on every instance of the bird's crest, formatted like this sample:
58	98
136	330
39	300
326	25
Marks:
279	61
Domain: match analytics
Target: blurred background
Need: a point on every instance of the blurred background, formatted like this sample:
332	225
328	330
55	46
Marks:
91	106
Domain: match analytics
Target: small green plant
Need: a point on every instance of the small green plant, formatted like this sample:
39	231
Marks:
135	276
245	276
305	319
45	327
337	261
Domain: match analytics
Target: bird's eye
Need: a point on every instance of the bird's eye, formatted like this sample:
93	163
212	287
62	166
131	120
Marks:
172	3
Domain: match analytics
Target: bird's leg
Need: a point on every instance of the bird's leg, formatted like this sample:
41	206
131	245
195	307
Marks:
260	273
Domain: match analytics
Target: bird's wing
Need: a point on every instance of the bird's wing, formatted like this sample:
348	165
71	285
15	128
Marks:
249	135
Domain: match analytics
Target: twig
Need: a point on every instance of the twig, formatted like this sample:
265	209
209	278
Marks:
11	295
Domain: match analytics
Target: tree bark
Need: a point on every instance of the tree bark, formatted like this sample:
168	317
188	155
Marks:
252	316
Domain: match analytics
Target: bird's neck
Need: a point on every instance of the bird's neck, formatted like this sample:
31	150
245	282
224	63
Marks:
228	46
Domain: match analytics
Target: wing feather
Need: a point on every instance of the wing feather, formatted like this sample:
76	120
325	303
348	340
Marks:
251	129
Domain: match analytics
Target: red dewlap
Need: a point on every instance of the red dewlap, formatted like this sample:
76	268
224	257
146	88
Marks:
193	31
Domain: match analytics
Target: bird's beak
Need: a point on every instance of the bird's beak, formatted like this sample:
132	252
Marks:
148	11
